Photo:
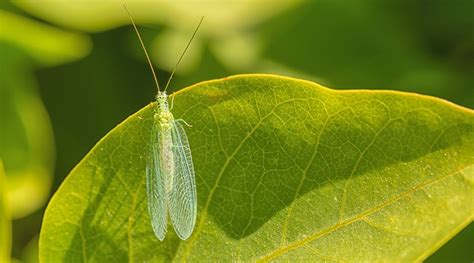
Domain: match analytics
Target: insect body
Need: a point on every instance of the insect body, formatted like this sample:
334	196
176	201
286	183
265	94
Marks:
170	174
170	180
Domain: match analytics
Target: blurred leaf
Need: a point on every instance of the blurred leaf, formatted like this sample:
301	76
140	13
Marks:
221	17
30	252
5	235
27	146
237	52
285	169
224	23
46	44
169	45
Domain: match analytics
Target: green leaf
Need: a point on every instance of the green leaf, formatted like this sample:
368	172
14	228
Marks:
221	18
47	45
285	169
5	225
27	145
225	28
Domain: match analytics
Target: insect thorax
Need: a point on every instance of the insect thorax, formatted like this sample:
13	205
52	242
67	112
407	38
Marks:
164	118
163	114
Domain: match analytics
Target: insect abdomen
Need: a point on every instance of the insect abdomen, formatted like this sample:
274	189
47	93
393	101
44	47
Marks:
167	162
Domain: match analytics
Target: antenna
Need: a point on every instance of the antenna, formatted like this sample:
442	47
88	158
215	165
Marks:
184	52
143	46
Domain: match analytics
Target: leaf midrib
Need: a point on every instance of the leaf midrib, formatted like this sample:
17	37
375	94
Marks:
299	243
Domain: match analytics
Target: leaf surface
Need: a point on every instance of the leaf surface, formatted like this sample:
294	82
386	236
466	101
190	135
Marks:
285	170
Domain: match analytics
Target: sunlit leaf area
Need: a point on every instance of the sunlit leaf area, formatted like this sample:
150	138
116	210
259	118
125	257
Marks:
320	131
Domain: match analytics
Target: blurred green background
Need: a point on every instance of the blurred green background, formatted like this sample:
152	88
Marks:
70	72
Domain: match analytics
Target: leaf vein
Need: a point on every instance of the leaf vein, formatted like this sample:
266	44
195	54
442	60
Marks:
282	250
190	244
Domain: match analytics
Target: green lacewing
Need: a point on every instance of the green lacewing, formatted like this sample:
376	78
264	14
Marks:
170	179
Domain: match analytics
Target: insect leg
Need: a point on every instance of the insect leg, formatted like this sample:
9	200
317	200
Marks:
183	121
172	102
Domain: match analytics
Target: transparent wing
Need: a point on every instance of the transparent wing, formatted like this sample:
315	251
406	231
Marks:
155	185
182	200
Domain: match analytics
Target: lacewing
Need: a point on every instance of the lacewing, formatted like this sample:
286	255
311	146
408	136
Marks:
170	179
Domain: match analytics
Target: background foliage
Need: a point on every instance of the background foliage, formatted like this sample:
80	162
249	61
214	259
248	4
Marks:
75	71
